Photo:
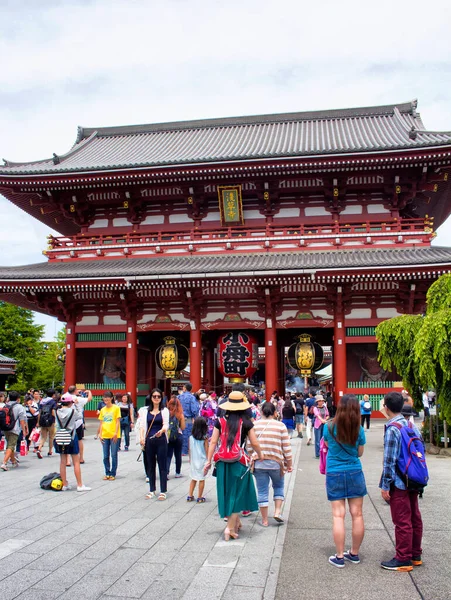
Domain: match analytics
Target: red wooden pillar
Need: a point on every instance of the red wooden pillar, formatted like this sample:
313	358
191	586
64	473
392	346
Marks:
339	357
152	369
71	355
271	358
195	356
131	359
209	367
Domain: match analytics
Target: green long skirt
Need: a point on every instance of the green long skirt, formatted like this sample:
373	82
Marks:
235	489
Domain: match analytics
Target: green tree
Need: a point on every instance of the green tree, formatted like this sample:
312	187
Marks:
419	346
50	370
20	338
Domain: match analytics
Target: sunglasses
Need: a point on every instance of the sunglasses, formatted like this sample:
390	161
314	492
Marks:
156	396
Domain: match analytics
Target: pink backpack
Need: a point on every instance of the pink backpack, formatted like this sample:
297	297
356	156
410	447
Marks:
235	452
323	449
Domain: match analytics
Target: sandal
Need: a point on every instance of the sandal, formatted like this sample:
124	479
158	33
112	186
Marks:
106	477
162	496
150	495
190	498
200	500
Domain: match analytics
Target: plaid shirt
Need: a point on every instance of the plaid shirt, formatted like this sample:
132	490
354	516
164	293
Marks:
392	450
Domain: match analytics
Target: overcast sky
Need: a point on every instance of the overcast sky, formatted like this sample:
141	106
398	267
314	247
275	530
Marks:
119	62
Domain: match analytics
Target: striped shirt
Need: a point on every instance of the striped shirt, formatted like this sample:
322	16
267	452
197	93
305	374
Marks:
274	441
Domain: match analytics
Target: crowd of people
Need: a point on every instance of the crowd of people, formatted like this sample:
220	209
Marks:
242	438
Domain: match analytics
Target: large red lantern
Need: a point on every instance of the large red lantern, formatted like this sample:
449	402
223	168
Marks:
237	356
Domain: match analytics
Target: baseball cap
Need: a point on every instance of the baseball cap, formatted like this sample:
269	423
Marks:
66	398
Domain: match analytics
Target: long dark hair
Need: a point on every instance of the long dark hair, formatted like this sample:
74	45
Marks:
149	402
200	428
347	420
233	422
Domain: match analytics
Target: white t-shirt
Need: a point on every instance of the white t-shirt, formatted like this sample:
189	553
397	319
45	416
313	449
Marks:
425	400
80	406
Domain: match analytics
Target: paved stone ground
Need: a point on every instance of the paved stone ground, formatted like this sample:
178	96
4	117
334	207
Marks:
305	570
113	543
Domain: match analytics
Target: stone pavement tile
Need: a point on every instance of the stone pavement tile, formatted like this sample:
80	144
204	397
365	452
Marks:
354	581
159	556
253	575
19	582
104	547
57	557
238	592
209	581
141	541
15	562
136	580
433	578
9	532
119	562
162	589
90	536
130	527
12	545
38	594
67	575
221	556
87	588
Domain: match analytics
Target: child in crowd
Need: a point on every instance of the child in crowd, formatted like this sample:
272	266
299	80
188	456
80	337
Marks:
198	446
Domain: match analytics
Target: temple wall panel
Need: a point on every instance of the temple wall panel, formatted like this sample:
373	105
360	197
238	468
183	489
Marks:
316	211
99	223
359	313
387	313
89	320
285	213
374	209
121	222
153	220
113	320
352	209
180	218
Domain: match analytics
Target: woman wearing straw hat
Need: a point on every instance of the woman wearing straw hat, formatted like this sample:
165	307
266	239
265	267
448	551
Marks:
234	483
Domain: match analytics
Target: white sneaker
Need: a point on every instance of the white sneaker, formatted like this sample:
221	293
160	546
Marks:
83	488
66	487
147	480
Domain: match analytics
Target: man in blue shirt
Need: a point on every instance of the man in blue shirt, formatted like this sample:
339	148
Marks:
191	410
309	419
405	512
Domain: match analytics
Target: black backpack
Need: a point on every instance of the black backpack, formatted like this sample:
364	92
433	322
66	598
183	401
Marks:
173	429
299	407
46	419
7	418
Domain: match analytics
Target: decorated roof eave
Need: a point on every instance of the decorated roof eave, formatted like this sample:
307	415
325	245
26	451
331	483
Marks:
214	169
335	274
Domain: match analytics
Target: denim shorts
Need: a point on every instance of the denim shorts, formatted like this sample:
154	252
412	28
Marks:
347	484
299	419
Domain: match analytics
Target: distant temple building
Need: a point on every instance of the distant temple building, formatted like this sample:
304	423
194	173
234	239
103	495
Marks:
314	223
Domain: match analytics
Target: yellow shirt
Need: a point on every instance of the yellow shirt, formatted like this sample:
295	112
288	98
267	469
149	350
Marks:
108	417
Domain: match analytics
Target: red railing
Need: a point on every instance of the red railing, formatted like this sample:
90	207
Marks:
232	237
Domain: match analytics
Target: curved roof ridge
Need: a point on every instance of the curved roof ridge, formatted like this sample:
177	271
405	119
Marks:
405	107
56	157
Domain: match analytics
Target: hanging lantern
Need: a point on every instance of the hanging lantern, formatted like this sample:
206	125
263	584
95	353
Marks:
171	358
305	356
237	356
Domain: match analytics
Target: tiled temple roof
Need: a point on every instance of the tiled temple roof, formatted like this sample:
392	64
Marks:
228	264
333	132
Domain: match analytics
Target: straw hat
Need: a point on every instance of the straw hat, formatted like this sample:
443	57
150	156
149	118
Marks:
236	401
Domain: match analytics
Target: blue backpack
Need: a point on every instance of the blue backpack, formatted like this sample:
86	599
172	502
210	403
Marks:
411	463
